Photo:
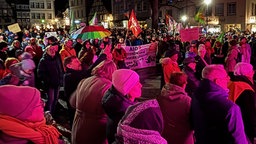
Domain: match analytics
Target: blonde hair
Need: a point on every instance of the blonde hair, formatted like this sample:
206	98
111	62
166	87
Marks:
105	69
10	61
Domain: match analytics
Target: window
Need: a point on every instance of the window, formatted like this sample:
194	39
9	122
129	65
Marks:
139	7
37	15
27	15
24	14
43	16
145	6
10	12
49	16
27	7
209	11
37	5
49	6
78	14
5	12
19	15
252	9
33	16
219	9
32	5
82	13
8	20
42	5
231	9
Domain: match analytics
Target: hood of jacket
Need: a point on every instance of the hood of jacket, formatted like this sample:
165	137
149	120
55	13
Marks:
173	92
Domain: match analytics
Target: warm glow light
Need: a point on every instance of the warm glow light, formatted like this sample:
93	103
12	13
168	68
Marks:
207	2
184	18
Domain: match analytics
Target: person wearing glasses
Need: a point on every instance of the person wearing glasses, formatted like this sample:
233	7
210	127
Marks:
215	118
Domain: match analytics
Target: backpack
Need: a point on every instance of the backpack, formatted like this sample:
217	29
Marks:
239	56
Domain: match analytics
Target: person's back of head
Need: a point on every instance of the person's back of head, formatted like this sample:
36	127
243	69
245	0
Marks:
179	79
244	69
216	73
213	71
105	69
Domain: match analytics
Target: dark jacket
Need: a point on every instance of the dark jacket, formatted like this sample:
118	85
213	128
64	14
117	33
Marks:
115	105
200	64
247	103
50	71
193	81
216	119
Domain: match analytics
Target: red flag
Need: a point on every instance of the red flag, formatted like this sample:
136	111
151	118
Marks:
134	25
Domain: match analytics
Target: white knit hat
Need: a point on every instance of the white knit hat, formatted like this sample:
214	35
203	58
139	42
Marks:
243	69
28	64
124	80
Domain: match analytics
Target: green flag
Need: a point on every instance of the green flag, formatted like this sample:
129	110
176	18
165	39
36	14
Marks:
200	17
220	38
72	23
94	20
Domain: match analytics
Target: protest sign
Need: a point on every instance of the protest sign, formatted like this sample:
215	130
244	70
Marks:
14	28
141	56
189	34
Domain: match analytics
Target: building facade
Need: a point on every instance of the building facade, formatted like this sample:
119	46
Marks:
78	10
84	10
121	9
7	14
22	10
42	13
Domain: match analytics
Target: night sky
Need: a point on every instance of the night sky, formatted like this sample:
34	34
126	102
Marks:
60	5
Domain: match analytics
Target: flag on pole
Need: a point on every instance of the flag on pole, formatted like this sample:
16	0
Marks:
134	25
72	23
94	20
220	39
200	17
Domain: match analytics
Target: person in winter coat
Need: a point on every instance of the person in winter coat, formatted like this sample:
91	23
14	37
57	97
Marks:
232	57
119	56
67	50
142	123
242	92
216	119
175	105
189	68
50	72
89	125
126	87
22	118
170	64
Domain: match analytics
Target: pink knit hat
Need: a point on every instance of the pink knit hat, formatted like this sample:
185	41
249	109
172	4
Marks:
21	102
124	80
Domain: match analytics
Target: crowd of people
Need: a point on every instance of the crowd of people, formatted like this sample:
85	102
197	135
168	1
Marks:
207	89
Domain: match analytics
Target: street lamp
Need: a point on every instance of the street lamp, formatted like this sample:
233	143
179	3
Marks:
207	2
184	18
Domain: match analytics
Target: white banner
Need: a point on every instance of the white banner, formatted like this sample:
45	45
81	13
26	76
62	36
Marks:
141	56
